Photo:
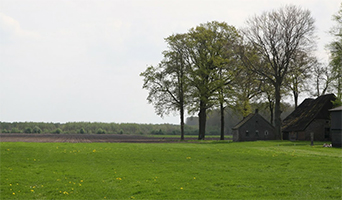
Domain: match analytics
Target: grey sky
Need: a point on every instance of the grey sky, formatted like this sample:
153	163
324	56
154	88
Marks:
68	60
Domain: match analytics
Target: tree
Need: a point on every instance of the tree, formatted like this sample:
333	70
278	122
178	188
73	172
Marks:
28	130
36	129
322	79
209	70
335	48
299	74
167	83
246	87
277	36
268	93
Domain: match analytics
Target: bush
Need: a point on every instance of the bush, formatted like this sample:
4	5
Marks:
28	130
36	129
5	131
82	131
15	130
100	131
155	132
58	131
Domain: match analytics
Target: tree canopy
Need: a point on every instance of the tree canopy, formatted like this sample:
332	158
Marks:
214	65
277	36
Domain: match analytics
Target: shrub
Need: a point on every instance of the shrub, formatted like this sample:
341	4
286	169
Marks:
5	131
100	131
36	129
58	131
82	131
28	130
157	132
15	130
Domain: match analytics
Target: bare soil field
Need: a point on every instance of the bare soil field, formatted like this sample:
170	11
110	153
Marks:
86	138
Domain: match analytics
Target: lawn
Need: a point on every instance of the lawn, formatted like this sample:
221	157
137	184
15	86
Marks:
205	170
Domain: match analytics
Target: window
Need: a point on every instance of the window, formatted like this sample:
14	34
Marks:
257	133
247	133
266	132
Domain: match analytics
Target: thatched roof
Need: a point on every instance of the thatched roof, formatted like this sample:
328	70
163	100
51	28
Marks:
307	111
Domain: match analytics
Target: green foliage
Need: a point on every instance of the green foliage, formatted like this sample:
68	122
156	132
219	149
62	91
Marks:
82	131
5	131
197	67
100	131
246	170
28	130
36	129
58	131
337	102
157	132
15	130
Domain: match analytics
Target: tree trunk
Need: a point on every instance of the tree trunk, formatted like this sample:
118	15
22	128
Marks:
222	121
277	112
271	111
182	122
317	86
295	96
270	106
202	117
339	88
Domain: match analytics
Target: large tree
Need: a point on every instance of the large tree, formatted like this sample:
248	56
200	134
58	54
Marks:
322	79
335	48
299	74
167	82
210	67
277	36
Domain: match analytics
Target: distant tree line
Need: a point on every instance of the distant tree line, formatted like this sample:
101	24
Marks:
97	128
232	117
215	66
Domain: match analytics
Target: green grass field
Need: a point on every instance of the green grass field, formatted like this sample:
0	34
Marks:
205	170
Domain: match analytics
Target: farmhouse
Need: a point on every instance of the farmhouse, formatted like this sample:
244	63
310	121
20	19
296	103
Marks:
336	126
311	116
253	127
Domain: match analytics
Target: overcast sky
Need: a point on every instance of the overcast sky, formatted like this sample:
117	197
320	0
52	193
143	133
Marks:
67	60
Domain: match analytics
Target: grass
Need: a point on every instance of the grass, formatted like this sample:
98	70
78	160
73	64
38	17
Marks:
205	170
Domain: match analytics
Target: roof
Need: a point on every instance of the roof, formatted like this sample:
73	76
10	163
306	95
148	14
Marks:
307	111
336	109
242	122
246	119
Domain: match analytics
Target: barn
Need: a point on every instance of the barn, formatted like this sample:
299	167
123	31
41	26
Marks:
253	127
336	126
311	116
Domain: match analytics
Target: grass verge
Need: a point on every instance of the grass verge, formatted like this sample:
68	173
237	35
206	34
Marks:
205	170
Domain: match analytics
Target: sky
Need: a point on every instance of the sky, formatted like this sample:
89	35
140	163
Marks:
72	60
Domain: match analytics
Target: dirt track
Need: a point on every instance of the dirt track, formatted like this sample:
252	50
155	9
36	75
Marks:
84	138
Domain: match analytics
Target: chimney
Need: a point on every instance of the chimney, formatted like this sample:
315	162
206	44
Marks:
256	111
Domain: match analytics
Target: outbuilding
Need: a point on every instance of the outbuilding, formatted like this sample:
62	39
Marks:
336	126
310	117
253	127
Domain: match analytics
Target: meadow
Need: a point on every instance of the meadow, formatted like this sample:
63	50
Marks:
202	170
